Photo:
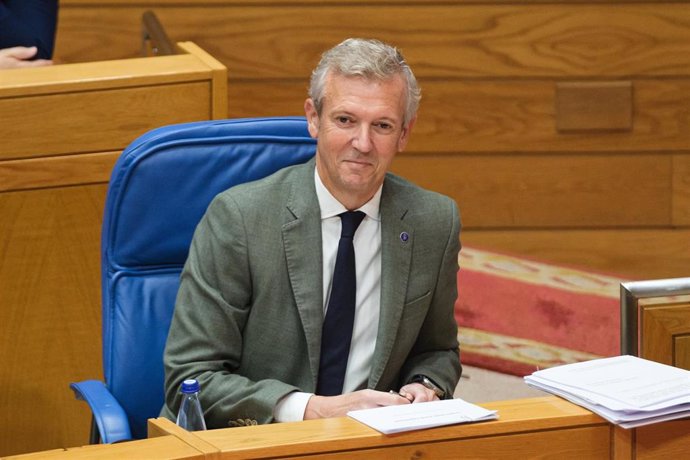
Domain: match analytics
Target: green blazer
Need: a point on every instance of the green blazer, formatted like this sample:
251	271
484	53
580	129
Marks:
249	311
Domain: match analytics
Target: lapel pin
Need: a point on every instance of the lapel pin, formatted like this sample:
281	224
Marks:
404	236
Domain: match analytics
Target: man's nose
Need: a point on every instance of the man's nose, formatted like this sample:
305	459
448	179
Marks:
362	139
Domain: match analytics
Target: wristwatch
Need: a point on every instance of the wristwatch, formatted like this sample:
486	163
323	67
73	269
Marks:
427	382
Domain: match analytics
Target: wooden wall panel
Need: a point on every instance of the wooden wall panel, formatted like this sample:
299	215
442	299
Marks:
78	123
64	127
681	190
48	338
33	173
660	327
284	40
506	116
513	191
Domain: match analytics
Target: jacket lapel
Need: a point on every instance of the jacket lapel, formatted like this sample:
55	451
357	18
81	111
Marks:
397	237
302	245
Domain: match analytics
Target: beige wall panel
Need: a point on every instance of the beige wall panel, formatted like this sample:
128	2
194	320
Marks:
584	191
500	116
285	40
96	121
635	254
681	190
50	319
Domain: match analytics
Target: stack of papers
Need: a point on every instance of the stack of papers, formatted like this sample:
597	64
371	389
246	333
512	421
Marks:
406	417
625	390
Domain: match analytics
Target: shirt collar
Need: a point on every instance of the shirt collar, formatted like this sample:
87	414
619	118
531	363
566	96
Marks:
331	207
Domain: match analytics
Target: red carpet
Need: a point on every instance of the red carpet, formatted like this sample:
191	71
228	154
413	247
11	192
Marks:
516	316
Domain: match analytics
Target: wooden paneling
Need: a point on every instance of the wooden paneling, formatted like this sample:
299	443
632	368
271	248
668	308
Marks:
79	124
489	73
547	427
576	444
667	440
660	326
57	171
64	127
681	190
594	106
681	351
284	40
49	315
502	116
513	191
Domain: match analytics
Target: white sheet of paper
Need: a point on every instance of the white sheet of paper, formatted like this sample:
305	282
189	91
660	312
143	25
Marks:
625	390
635	382
406	417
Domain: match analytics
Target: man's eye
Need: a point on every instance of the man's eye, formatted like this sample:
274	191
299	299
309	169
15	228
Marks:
385	126
343	120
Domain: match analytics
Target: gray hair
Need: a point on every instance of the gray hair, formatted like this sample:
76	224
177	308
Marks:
370	59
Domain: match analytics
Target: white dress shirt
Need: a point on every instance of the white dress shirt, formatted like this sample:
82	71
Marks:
367	243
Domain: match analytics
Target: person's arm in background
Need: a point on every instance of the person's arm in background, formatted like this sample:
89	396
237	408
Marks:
20	56
29	23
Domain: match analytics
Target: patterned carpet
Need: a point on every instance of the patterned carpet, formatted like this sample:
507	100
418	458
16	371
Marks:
516	316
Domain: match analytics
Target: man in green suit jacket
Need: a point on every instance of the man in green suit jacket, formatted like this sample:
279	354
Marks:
254	292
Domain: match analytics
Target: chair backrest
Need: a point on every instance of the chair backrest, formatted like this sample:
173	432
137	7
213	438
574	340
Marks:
159	190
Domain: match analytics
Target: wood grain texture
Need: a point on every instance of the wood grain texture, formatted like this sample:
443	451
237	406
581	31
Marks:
574	191
64	128
500	116
97	121
488	40
124	73
667	440
660	325
681	190
319	437
90	168
50	317
168	448
594	106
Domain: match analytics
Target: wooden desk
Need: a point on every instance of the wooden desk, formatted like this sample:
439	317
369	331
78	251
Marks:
63	128
165	447
547	427
526	428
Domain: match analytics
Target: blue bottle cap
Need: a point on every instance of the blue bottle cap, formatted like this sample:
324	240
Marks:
190	386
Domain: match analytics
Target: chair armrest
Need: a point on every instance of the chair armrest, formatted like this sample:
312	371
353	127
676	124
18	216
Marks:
108	414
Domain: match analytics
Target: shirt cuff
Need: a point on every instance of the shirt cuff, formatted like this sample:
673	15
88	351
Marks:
291	407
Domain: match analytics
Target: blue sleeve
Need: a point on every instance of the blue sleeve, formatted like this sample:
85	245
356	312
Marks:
29	23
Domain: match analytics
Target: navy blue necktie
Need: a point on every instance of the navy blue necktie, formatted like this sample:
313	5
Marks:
340	315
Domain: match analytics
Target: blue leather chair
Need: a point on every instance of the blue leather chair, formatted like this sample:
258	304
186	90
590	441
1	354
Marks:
159	190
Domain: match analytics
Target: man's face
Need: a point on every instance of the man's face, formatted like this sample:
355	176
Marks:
359	131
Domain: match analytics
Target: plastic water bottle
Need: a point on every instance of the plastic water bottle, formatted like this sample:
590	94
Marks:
191	417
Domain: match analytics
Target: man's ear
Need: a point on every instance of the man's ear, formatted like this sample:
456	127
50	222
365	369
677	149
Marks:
312	117
405	135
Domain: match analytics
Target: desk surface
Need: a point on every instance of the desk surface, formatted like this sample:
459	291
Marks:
527	428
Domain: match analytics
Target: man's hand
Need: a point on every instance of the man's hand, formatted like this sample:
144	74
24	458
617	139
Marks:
18	57
416	393
339	406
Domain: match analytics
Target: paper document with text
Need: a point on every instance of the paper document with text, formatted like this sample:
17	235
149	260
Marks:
406	417
625	390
